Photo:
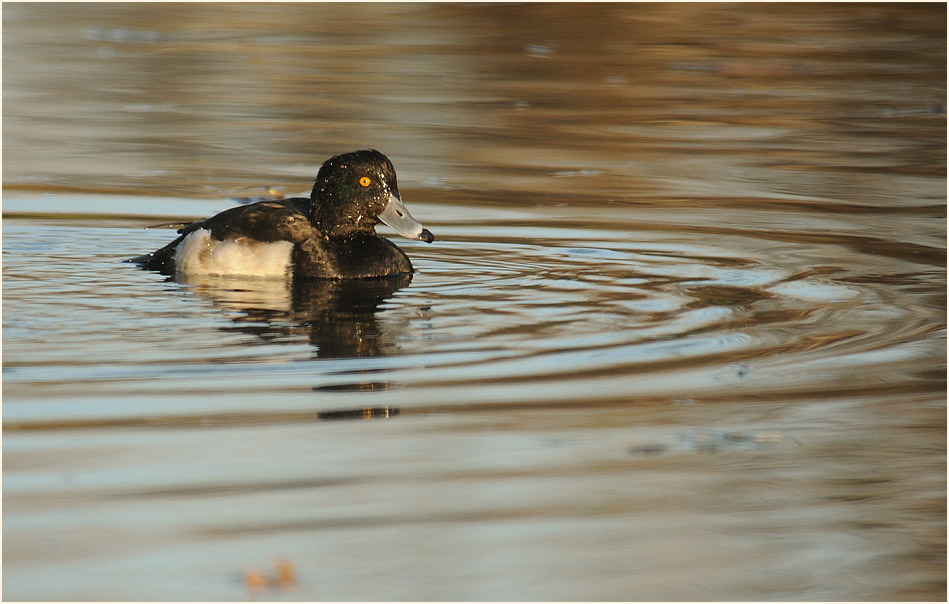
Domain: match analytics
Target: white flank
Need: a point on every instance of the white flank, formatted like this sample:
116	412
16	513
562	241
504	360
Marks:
200	254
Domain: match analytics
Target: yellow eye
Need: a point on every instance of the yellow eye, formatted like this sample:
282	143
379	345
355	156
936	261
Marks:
364	181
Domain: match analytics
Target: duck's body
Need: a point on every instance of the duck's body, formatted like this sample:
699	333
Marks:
329	236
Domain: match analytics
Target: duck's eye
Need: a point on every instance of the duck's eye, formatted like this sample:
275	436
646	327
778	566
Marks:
365	181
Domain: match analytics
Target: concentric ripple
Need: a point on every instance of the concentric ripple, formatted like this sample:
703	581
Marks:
619	309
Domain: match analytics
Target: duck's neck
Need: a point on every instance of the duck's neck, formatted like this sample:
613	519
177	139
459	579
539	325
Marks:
335	223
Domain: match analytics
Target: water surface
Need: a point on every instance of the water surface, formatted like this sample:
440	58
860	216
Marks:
681	334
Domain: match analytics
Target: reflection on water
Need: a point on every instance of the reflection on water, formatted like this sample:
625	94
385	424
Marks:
338	317
558	103
683	335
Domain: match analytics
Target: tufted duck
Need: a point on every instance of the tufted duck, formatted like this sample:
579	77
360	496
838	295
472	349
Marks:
331	235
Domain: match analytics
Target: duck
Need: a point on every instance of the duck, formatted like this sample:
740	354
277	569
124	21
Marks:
330	235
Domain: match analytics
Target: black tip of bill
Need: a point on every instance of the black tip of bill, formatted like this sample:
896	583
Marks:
427	236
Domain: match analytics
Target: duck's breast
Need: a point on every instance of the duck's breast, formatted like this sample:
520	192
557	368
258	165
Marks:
349	258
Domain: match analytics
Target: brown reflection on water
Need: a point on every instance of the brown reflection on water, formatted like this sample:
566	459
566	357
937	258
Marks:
684	337
598	101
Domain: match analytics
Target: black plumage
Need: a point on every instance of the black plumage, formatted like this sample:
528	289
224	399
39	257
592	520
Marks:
332	233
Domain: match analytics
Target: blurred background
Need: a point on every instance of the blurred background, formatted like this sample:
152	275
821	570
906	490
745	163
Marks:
585	101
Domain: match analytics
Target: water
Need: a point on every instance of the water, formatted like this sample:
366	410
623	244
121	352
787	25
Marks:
681	334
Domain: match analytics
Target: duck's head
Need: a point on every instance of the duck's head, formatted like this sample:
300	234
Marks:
355	191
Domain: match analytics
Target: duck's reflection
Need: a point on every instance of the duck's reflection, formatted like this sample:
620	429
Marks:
338	317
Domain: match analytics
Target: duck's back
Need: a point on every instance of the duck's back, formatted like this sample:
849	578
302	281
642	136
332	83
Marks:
264	221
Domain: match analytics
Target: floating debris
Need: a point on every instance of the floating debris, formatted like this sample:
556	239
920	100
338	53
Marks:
283	576
363	413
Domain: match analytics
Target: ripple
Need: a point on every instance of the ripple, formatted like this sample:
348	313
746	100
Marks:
504	310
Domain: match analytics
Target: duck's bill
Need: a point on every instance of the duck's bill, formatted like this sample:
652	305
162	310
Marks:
396	216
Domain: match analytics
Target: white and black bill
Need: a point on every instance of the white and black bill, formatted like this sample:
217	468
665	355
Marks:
397	216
